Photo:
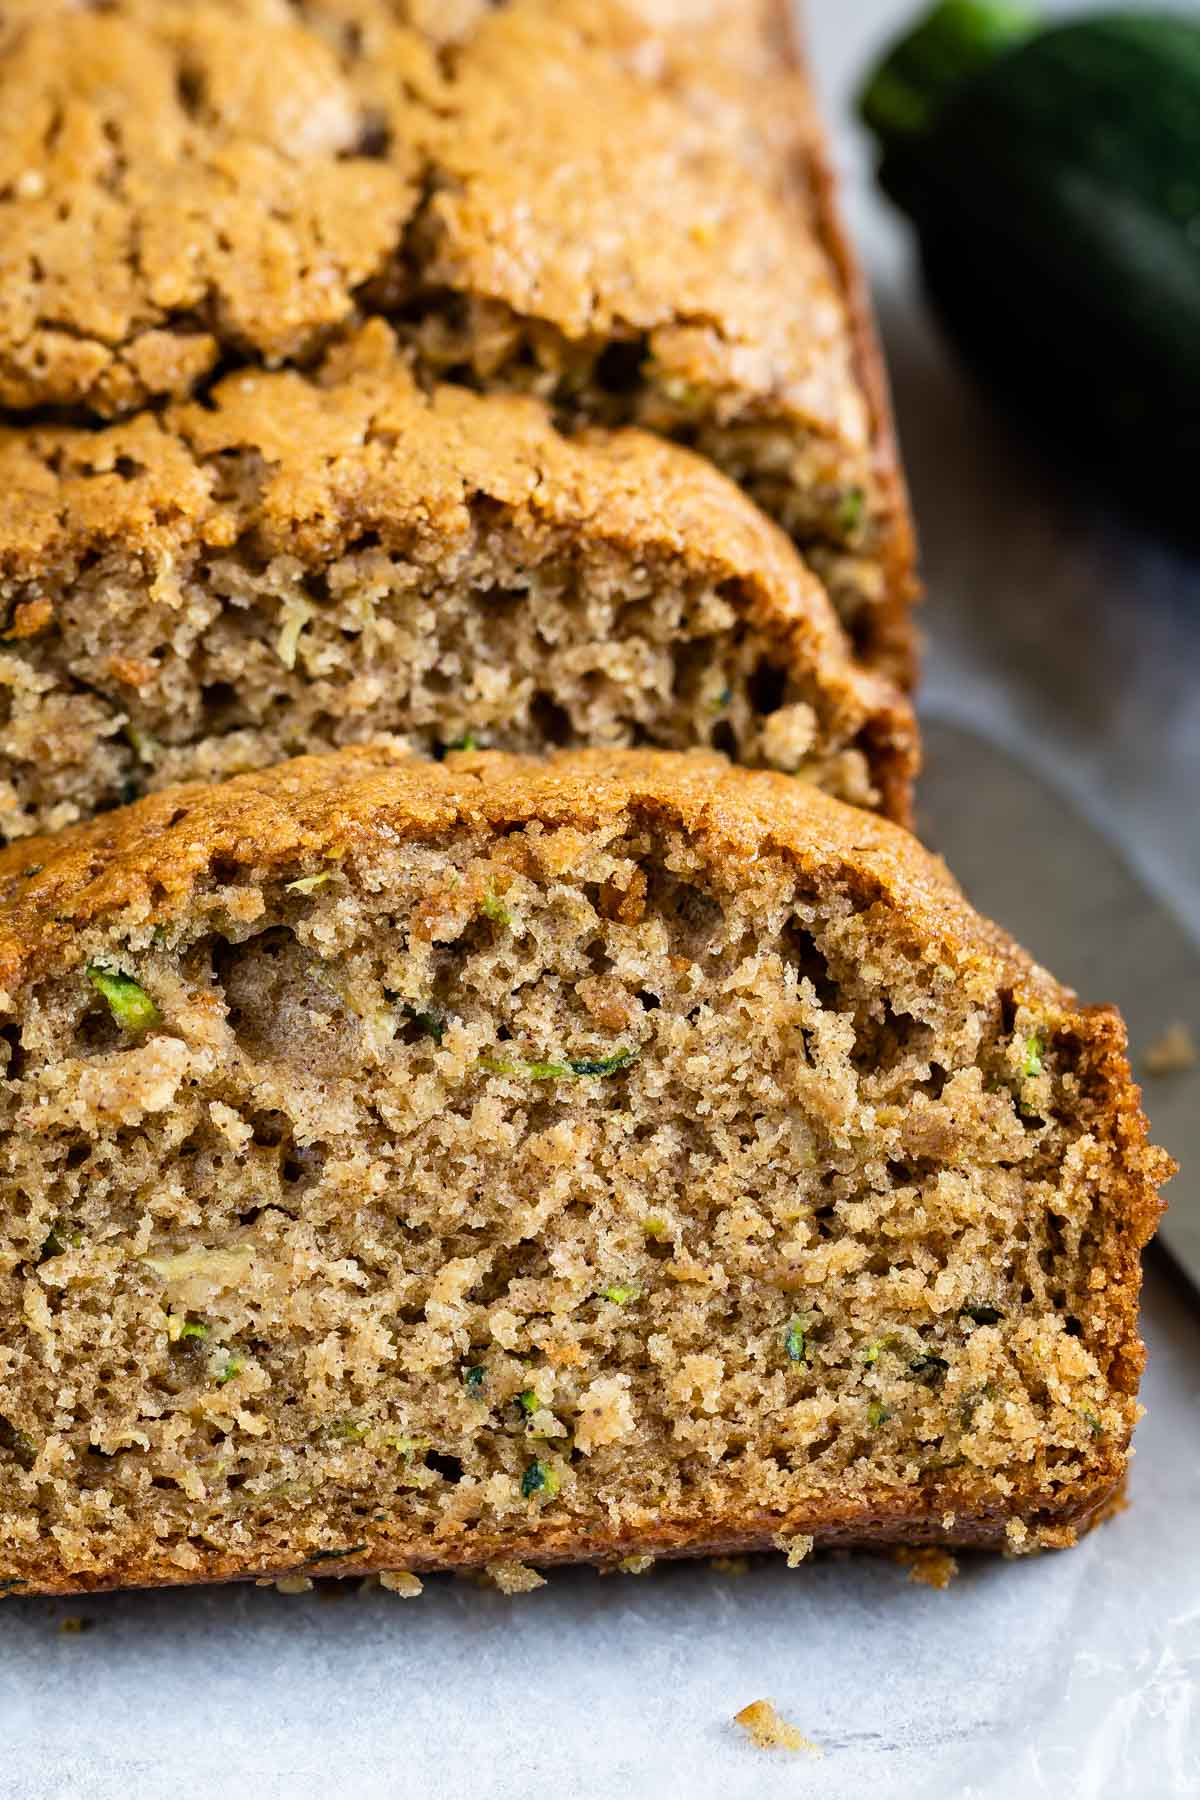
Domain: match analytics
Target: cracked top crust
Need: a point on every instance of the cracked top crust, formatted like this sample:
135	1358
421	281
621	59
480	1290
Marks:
359	445
153	854
176	180
184	179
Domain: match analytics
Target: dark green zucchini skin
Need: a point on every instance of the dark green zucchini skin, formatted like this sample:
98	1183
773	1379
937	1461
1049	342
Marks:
1056	194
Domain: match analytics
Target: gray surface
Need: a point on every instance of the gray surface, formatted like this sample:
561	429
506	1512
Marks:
1060	636
1028	856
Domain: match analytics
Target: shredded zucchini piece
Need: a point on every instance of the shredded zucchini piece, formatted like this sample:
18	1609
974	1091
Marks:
128	1002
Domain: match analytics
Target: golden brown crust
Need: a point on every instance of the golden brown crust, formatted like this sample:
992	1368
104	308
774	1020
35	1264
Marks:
169	196
178	179
1051	1521
362	446
329	806
895	640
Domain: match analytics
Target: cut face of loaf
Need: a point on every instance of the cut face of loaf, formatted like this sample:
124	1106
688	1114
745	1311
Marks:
615	205
318	560
413	1166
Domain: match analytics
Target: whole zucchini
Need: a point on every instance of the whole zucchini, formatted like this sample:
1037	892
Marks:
1054	180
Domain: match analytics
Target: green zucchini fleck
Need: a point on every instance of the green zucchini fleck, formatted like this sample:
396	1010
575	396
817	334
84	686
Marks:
129	1003
475	1377
877	1414
430	1024
52	1246
540	1478
1032	1065
560	1071
58	1241
468	741
334	1555
687	396
850	510
619	1292
493	908
233	1366
407	1447
308	884
143	744
528	1401
603	1065
179	1327
794	1343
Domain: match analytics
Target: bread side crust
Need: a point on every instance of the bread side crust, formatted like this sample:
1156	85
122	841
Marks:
896	640
1045	1521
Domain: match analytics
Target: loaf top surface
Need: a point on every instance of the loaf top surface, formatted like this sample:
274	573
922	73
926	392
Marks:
148	858
184	180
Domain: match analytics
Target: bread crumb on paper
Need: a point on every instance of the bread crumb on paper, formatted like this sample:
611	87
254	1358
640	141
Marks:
515	1577
797	1549
1172	1053
768	1731
401	1582
636	1565
931	1567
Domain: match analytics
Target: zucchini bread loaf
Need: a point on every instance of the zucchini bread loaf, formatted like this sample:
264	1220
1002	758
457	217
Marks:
412	1166
311	560
616	204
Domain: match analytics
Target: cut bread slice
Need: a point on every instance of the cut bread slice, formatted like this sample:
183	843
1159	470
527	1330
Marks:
412	1166
618	205
306	561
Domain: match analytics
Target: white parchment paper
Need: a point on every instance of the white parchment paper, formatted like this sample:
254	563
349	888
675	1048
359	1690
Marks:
1063	636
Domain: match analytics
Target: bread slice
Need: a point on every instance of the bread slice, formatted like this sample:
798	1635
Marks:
615	203
305	561
413	1166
